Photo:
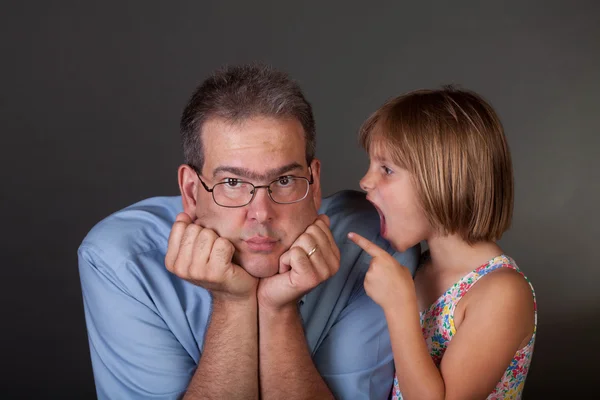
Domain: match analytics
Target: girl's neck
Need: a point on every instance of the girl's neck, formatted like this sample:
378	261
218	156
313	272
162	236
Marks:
452	253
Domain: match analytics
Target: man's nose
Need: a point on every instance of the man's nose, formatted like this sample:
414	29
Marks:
260	208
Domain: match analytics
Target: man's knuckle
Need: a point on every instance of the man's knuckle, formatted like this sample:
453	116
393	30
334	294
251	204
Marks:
296	252
312	230
335	267
314	278
203	236
188	237
306	238
331	268
195	274
221	244
179	269
193	229
322	226
169	263
209	234
181	224
220	252
222	248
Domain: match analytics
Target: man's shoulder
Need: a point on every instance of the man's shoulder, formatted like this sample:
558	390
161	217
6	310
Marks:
139	228
349	210
346	202
348	205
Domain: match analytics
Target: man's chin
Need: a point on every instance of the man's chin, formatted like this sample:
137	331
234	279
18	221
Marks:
260	265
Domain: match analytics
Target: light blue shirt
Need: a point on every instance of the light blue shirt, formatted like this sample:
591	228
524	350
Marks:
146	326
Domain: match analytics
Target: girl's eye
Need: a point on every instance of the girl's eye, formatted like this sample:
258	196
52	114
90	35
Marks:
386	170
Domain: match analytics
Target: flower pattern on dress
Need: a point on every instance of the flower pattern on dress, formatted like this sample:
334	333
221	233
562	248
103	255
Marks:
438	328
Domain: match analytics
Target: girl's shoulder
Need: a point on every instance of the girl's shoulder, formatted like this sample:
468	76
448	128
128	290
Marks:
502	270
501	278
502	295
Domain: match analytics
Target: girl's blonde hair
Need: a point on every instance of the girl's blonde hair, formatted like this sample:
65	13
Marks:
454	145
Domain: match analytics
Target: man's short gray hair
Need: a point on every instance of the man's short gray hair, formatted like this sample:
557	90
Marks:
240	92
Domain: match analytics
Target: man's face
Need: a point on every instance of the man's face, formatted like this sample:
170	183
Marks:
257	150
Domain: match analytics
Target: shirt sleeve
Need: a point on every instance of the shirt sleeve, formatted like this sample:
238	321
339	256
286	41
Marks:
355	359
134	354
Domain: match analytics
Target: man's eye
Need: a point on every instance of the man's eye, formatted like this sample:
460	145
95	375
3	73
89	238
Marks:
233	182
284	181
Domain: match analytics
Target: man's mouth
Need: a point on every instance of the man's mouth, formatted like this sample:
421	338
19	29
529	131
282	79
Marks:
261	243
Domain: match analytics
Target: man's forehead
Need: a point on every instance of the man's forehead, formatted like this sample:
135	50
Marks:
257	148
220	128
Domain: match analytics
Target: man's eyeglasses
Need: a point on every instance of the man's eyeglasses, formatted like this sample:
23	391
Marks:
234	192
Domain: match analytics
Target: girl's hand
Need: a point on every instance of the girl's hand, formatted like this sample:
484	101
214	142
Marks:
387	282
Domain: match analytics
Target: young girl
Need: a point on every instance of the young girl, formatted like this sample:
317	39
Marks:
440	171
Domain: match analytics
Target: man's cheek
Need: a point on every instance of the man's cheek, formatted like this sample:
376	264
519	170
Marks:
221	224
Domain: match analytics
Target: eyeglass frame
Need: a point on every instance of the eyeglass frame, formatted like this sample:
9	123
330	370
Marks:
211	190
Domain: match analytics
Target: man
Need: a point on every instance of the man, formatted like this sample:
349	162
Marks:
245	286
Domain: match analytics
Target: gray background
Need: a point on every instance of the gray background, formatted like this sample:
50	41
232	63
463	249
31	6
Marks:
92	93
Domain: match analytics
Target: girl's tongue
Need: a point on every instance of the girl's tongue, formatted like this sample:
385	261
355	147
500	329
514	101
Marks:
383	227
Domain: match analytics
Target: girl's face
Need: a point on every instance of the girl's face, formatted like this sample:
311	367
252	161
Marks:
391	190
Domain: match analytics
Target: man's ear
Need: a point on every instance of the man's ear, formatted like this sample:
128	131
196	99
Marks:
315	167
188	186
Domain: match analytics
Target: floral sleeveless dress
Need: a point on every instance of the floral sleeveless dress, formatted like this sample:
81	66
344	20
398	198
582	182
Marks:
438	327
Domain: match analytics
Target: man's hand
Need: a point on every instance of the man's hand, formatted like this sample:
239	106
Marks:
313	258
387	282
201	257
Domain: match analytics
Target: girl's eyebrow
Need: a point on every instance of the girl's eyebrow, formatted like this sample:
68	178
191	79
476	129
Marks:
380	159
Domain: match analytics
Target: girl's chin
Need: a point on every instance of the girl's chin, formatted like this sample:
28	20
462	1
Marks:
398	245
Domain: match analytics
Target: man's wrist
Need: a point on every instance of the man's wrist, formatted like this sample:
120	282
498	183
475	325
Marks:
281	313
233	304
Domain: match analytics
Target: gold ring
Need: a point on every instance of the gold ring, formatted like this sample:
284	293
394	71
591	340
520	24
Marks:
310	253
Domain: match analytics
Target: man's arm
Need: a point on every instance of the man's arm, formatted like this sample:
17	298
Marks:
286	368
134	353
356	359
229	363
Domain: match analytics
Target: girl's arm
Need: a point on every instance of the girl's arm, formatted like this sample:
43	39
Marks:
498	320
418	377
391	286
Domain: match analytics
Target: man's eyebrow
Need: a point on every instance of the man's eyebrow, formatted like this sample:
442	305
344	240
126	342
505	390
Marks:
251	175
